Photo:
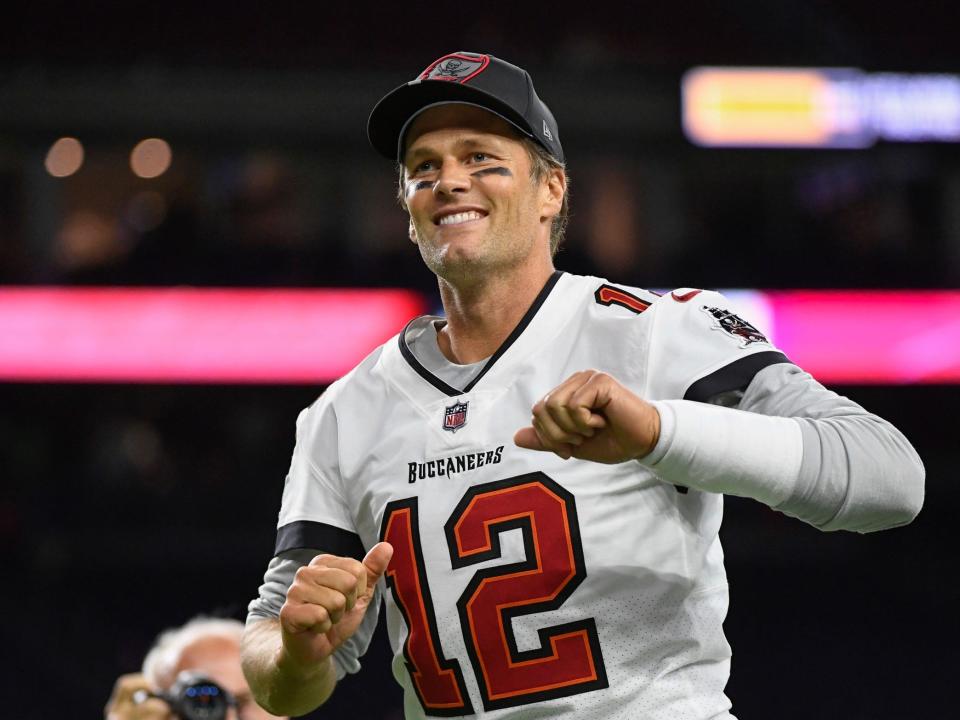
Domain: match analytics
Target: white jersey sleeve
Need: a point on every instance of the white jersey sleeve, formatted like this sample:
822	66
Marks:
701	349
313	512
314	519
703	352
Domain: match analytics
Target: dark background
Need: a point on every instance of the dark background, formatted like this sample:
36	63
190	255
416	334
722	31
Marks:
125	509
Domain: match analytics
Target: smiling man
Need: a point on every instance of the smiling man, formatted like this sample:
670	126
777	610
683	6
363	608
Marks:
538	477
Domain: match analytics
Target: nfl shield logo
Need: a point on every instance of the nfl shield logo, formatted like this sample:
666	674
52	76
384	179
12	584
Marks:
455	416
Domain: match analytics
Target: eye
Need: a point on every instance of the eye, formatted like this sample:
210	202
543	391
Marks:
480	157
421	167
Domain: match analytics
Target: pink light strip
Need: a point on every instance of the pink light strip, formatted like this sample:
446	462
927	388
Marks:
870	337
194	335
315	336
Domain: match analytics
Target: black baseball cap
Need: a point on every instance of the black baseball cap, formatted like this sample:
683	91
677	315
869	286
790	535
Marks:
470	78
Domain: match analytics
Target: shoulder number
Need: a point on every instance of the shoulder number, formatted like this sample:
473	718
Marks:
610	295
568	661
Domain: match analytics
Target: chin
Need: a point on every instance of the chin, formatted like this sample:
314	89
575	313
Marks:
467	248
459	263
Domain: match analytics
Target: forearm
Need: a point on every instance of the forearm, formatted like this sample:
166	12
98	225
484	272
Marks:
278	685
722	450
854	470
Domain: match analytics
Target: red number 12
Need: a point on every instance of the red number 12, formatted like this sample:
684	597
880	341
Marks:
568	661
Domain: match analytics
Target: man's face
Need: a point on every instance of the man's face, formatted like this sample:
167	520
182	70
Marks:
473	205
219	659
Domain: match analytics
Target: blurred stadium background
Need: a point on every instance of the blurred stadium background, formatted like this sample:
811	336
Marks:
221	145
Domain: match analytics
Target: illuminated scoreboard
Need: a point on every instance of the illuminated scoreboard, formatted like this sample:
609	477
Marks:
817	108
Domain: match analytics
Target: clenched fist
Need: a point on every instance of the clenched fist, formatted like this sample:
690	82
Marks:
326	603
591	416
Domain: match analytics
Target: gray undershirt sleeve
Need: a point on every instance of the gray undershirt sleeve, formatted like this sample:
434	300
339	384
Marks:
858	471
273	593
276	581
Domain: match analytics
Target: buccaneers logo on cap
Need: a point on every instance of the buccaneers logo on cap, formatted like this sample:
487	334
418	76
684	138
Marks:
455	416
456	67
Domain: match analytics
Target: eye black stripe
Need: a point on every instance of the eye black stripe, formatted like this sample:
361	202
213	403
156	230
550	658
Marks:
493	171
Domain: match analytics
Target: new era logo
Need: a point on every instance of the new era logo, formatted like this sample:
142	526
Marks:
546	131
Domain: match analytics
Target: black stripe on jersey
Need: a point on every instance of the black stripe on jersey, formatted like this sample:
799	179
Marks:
512	338
320	536
518	330
735	376
421	370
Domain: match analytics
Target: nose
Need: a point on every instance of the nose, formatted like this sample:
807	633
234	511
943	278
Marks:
453	178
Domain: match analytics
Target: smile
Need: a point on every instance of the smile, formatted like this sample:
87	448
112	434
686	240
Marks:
460	218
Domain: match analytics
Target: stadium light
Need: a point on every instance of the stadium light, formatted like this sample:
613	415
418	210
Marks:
151	158
64	158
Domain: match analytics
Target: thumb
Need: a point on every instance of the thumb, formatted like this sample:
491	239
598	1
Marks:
527	438
376	562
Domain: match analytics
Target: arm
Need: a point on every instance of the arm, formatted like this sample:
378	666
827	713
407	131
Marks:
305	621
830	463
280	686
288	661
858	471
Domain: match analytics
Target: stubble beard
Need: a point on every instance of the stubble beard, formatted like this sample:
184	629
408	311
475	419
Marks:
498	251
491	255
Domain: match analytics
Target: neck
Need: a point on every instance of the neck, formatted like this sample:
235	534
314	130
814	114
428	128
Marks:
482	315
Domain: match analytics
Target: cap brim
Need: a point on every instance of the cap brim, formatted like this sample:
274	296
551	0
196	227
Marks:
390	117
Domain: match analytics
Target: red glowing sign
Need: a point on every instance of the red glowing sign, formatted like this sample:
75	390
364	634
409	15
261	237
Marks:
175	335
194	335
870	337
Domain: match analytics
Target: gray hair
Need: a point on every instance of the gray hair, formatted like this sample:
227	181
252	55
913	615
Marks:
164	656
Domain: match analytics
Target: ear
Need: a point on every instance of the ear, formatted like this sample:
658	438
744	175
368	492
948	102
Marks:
412	232
553	189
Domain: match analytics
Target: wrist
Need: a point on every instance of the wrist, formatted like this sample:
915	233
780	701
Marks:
653	430
296	688
662	435
297	670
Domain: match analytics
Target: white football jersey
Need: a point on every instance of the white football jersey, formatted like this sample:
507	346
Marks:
523	585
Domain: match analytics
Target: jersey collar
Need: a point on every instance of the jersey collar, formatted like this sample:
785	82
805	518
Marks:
512	338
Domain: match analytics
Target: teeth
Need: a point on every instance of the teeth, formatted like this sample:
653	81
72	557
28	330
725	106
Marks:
460	218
